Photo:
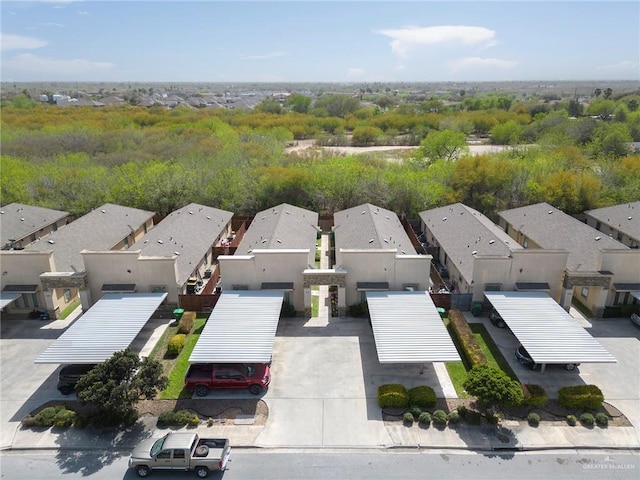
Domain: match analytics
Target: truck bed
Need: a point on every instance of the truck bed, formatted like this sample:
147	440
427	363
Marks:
210	448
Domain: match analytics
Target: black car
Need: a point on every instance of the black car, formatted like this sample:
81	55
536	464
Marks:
523	357
69	376
496	319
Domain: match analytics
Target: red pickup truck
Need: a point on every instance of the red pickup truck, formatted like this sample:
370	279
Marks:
203	377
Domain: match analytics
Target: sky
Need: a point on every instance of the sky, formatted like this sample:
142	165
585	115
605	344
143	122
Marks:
319	41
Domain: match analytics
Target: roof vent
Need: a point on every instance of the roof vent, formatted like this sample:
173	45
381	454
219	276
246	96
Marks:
474	252
103	211
278	240
51	242
371	241
176	253
444	219
550	212
1	212
598	238
363	212
629	218
264	241
491	242
208	217
386	241
190	212
22	219
160	242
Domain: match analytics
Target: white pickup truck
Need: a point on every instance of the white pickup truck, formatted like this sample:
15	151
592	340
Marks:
180	451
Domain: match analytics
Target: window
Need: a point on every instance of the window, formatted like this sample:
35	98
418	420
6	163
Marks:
67	295
585	292
287	297
619	237
34	300
126	242
32	237
525	243
164	454
178	454
598	225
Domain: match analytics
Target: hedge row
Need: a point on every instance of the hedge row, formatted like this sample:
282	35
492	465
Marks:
58	416
470	347
395	395
534	395
581	397
186	323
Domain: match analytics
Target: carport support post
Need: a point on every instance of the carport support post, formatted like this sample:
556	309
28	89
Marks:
85	299
543	368
422	365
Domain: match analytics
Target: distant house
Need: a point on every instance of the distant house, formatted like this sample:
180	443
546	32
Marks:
621	222
176	249
21	225
600	272
50	274
479	256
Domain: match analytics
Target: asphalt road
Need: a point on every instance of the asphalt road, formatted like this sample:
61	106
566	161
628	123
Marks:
340	464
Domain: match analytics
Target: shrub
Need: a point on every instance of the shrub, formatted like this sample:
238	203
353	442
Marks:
462	411
470	347
64	418
393	395
572	420
287	310
492	386
58	416
601	419
453	417
407	418
534	419
424	419
534	395
186	322
359	310
473	417
587	419
422	396
178	419
439	417
176	343
416	412
581	397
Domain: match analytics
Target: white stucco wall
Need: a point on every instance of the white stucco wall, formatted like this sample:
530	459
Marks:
24	268
130	267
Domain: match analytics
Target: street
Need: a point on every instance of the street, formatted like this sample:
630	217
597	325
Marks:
339	464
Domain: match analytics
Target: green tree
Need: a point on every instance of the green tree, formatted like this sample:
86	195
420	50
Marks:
610	140
298	103
363	136
338	105
493	387
116	385
508	133
445	145
602	108
269	105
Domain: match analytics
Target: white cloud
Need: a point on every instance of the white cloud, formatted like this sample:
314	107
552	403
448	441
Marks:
53	24
406	38
355	73
54	68
620	67
83	12
17	42
266	56
474	62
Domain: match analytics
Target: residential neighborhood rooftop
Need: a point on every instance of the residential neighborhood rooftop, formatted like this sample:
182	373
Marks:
368	227
18	221
100	229
553	229
188	233
465	233
624	217
282	227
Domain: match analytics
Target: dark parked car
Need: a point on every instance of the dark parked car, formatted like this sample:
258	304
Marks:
69	376
523	357
496	319
635	318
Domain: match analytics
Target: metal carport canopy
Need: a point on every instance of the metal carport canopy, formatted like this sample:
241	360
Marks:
407	328
548	333
241	328
107	327
8	298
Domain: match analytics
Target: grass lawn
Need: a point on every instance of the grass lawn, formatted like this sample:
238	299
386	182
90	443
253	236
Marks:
458	370
176	367
67	311
314	305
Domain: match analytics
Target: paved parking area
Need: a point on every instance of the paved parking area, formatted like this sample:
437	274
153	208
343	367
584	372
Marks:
619	382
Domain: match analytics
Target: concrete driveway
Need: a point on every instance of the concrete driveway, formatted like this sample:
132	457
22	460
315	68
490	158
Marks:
325	375
619	382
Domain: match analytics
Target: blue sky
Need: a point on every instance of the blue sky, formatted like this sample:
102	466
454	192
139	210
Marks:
321	41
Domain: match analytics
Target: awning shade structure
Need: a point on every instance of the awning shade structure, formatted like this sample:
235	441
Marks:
407	328
548	333
20	289
241	328
8	298
107	327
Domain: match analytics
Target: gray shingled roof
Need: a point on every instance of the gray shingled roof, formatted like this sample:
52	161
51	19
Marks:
18	221
461	231
555	230
281	227
624	218
367	227
100	229
188	232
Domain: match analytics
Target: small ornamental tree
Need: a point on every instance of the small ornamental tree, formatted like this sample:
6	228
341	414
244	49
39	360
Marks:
493	387
115	386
